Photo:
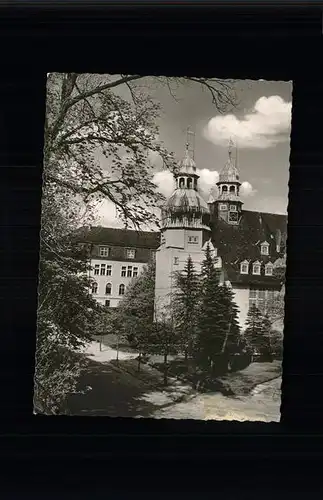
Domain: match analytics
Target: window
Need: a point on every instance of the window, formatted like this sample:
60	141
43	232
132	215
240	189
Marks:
256	268
181	182
130	253
233	216
223	206
97	269
260	298
121	289
232	189
108	289
104	251
193	239
252	294
123	271
102	271
224	189
153	255
107	303
129	272
189	183
135	272
176	261
109	270
264	248
268	270
233	208
94	288
244	267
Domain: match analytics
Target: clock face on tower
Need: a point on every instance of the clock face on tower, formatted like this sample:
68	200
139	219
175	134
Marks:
233	216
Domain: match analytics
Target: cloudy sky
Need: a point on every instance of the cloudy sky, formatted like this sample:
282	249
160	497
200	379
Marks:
260	126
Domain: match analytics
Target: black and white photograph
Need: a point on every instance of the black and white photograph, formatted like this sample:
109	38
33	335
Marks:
163	247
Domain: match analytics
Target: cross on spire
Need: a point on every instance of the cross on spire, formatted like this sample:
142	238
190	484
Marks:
231	145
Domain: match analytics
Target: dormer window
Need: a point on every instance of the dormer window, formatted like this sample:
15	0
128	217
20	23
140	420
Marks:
269	269
104	251
256	268
264	248
130	253
244	267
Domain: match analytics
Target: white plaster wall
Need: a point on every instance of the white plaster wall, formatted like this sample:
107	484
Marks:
115	279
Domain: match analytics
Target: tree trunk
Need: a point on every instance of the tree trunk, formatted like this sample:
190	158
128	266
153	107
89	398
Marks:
117	348
139	361
101	340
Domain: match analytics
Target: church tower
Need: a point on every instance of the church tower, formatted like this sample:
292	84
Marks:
228	205
184	232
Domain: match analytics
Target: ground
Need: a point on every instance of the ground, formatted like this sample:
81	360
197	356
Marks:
115	388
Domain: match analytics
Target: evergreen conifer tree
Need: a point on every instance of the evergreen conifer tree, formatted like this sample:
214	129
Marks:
212	317
185	303
255	328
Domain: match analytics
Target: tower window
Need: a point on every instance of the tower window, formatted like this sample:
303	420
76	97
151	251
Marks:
195	183
244	267
232	189
181	182
233	216
97	269
233	208
264	248
224	189
193	239
223	206
256	268
108	289
104	251
269	269
123	272
94	288
130	253
121	289
189	183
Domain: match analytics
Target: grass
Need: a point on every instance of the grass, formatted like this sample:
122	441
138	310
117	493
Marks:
242	382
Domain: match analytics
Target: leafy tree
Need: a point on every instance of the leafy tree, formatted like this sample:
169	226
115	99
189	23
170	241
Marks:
185	304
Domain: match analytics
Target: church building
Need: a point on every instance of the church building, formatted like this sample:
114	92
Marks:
248	245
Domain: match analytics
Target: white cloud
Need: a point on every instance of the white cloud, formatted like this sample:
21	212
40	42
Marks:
267	124
246	189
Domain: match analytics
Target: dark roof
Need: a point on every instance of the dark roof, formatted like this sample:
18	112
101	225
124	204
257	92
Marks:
242	242
121	237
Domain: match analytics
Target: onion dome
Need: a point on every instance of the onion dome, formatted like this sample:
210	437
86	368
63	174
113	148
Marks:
187	165
186	200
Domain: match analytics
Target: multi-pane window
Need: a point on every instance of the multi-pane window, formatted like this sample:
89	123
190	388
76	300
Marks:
109	270
130	253
123	272
261	298
223	206
135	272
102	270
256	268
129	272
244	267
121	289
233	208
269	270
94	288
108	289
193	239
97	269
104	251
107	303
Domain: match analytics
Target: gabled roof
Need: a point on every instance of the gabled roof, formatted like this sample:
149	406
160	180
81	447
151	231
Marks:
236	243
121	237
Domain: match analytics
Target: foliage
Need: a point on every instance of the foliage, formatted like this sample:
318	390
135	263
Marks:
258	331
